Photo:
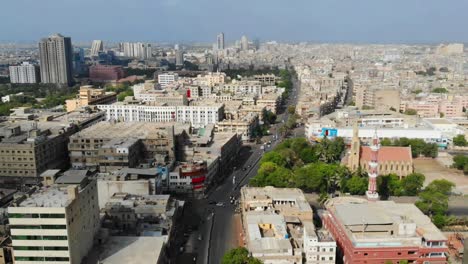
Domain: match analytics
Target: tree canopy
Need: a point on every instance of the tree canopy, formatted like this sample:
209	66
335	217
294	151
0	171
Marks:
460	141
433	201
418	146
239	255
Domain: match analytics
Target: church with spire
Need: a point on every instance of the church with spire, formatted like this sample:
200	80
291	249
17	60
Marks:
378	160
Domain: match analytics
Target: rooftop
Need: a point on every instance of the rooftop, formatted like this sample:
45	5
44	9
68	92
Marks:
110	130
388	153
383	223
252	194
128	249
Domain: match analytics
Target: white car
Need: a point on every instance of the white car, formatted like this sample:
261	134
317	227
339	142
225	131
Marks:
220	204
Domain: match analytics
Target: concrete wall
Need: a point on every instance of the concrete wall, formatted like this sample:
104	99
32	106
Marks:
107	188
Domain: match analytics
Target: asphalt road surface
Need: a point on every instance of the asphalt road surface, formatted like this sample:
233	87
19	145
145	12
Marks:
216	233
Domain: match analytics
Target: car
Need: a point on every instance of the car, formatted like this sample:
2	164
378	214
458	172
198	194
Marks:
249	166
244	169
200	237
220	204
211	202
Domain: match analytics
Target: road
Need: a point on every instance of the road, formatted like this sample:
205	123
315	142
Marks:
217	233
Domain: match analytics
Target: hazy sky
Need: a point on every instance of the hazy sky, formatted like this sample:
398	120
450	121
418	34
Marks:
376	21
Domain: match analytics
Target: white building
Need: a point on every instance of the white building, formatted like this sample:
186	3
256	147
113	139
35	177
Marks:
430	135
136	50
165	79
96	47
56	224
319	245
198	116
243	87
24	73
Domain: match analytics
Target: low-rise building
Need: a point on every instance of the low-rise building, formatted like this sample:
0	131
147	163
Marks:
106	73
383	231
110	143
197	116
165	79
244	126
90	96
242	87
278	225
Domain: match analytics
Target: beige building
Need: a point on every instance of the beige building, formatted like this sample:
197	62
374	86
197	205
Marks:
90	96
278	226
289	202
244	126
57	223
31	144
211	79
378	99
114	145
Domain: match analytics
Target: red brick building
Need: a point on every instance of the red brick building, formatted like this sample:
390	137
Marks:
381	232
105	73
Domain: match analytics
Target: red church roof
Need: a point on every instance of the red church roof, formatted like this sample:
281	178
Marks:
388	154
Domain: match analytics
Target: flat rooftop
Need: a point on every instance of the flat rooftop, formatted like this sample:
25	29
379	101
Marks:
252	194
128	249
355	214
47	197
109	130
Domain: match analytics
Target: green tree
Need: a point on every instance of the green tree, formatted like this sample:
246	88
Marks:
433	200
442	186
439	220
357	185
460	141
386	142
270	174
239	255
291	109
412	184
275	157
460	161
410	111
439	90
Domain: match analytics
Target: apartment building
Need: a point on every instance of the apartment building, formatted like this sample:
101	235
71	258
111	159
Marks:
24	73
165	79
378	99
244	126
28	148
57	223
279	228
242	87
147	92
90	96
110	145
211	79
437	106
197	116
319	245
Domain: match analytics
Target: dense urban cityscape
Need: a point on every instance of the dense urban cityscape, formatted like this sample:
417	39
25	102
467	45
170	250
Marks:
236	151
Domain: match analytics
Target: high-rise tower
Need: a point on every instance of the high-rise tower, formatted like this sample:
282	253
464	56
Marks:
55	53
220	41
244	43
374	169
96	47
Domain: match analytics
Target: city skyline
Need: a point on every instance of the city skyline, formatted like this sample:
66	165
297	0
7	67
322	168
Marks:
331	21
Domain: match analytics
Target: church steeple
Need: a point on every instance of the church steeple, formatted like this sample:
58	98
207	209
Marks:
353	162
